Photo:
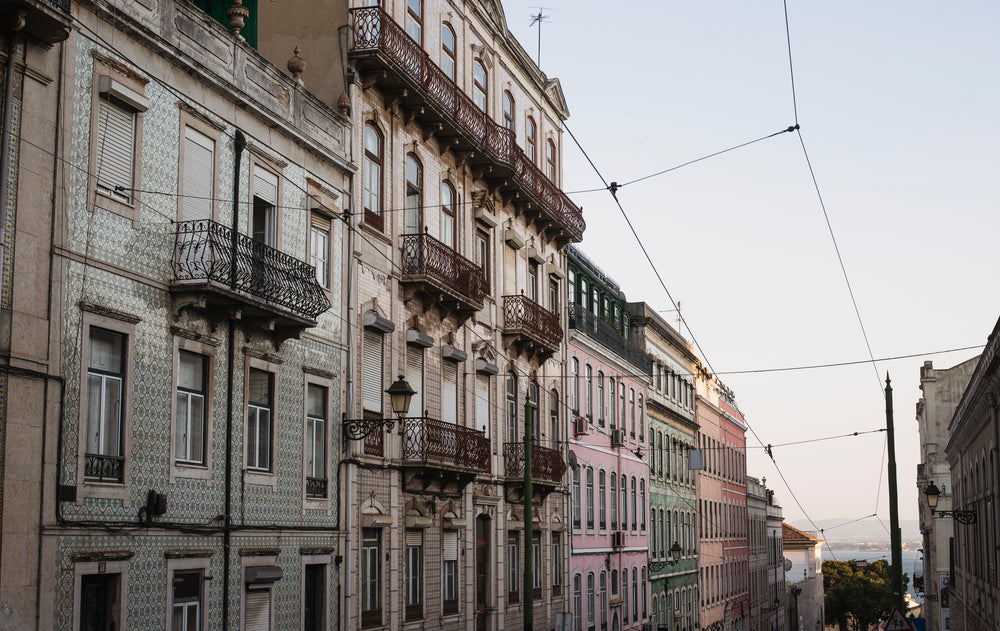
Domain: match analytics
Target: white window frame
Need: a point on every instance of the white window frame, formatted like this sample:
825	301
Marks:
414	585
207	348
320	503
267	169
364	577
260	476
188	564
212	133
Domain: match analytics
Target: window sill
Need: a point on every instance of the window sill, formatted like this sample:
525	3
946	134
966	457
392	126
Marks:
190	471
260	478
116	206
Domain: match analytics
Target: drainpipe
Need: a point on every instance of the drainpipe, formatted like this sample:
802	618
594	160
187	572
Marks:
240	143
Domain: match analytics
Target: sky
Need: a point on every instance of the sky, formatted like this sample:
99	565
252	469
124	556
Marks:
898	106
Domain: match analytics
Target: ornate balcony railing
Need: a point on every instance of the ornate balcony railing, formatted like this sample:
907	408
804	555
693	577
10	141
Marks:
522	315
102	468
374	443
546	464
316	487
582	319
439	443
208	251
425	256
376	32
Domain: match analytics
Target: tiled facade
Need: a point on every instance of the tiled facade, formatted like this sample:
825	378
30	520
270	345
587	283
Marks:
608	378
733	470
249	524
672	435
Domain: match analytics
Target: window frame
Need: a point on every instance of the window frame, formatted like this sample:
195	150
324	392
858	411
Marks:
413	577
480	89
508	112
449	56
260	476
449	196
188	120
450	605
185	469
531	139
315	381
125	325
415	20
324	222
262	163
198	564
513	559
373	217
550	162
413	189
368	616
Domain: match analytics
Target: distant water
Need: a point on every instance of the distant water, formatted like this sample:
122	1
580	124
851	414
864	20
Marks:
910	560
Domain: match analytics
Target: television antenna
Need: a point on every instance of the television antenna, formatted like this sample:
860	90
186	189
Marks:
538	18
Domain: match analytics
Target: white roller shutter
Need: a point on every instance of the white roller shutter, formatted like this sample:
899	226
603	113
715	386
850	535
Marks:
198	175
371	371
449	391
450	545
483	403
115	149
257	610
265	186
415	377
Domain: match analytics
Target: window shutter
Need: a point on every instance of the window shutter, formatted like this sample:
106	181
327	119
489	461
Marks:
483	403
414	538
198	176
371	371
115	148
415	377
257	610
449	392
265	186
450	545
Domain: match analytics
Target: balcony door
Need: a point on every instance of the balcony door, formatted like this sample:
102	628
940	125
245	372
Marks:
263	225
482	572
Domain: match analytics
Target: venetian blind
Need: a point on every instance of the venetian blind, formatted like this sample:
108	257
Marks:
115	148
415	377
257	606
371	371
414	538
198	175
265	186
450	545
449	391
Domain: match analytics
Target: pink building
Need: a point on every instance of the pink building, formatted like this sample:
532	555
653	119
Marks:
608	375
735	550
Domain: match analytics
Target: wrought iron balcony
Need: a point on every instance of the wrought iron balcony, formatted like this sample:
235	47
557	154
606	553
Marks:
316	488
532	326
407	73
584	320
45	20
441	445
547	466
374	443
442	273
103	468
213	267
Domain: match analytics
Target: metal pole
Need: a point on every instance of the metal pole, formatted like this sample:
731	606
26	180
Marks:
896	571
529	582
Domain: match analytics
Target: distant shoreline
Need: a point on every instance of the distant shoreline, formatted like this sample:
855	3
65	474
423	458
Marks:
909	559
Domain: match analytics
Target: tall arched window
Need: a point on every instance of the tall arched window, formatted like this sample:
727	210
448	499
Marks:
577	498
575	392
591	602
448	61
613	408
642	586
624	490
631	407
614	501
602	500
590	498
511	408
642	503
635	595
600	398
550	160
554	430
588	372
449	229
577	602
635	521
602	599
479	90
642	421
536	425
508	110
414	219
530	138
372	194
415	20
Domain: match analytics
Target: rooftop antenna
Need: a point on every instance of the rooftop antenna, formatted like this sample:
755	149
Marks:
680	320
538	18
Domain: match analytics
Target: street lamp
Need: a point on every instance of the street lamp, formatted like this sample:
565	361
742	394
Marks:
400	393
962	516
675	552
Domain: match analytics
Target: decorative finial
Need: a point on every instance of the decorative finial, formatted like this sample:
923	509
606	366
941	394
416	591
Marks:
237	14
344	104
296	66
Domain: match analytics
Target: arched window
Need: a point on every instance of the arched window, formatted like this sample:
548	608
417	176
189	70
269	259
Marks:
600	398
554	432
635	521
448	51
479	91
602	500
642	503
624	482
372	194
591	602
642	585
577	498
642	421
575	392
613	408
631	406
508	110
625	594
589	394
511	408
414	196
530	135
602	599
590	498
550	160
614	501
536	425
577	602
415	20
449	229
635	595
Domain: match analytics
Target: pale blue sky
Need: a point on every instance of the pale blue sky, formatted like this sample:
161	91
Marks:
899	104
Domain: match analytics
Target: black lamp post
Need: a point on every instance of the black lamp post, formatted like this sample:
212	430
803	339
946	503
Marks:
961	516
675	552
400	393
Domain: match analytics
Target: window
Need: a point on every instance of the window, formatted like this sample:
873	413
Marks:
642	503
602	500
550	164
624	502
571	287
260	402
316	424
590	498
257	614
635	595
554	432
600	398
264	214
589	385
642	421
577	498
483	255
591	601
372	193
187	600
635	521
189	412
511	408
371	577
508	111
104	456
536	423
449	391
614	582
621	395
645	604
448	223
614	501
314	597
575	375
553	295
613	409
414	20
483	406
556	564
536	560
533	281
602	597
625	594
413	578
577	602
414	219
449	569
631	402
479	84
371	371
197	176
448	51
513	567
320	229
117	140
530	133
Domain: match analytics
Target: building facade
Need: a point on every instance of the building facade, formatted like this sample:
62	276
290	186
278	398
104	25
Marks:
198	305
941	390
608	378
711	528
456	272
672	434
774	616
804	603
757	572
973	591
735	551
